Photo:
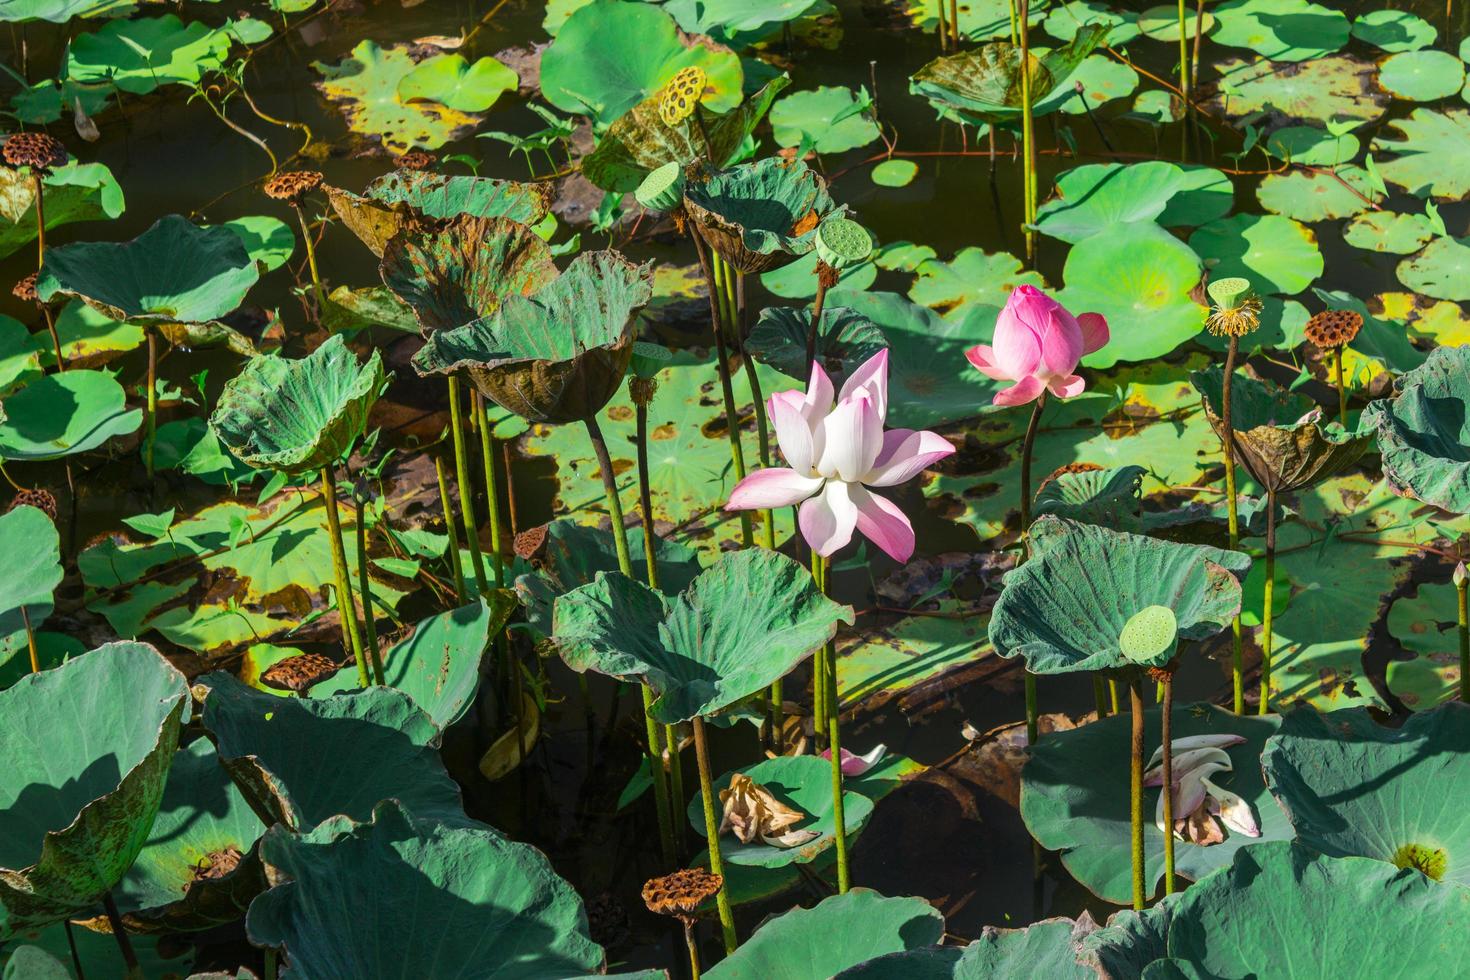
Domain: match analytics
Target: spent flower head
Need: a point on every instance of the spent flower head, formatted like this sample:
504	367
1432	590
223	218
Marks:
1236	310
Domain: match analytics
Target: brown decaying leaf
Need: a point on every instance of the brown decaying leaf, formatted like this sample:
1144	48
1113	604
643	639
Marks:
751	811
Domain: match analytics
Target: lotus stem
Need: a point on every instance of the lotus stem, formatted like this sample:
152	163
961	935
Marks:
510	487
1168	766
712	833
954	23
1113	696
688	921
1100	695
817	304
454	562
1237	653
270	964
76	957
462	480
55	337
943	28
120	934
1342	416
492	494
370	628
1266	612
819	695
1015	37
732	420
316	280
1199	31
1183	54
36	182
1135	785
25	619
152	423
757	397
820	569
778	716
610	490
346	607
1032	715
1462	588
1028	130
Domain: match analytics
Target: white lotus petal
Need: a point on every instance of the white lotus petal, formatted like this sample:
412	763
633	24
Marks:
1182	745
1183	762
792	838
1232	809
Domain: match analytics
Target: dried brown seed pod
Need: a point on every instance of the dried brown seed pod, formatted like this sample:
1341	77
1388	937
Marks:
530	544
680	894
1333	328
40	499
41	152
293	185
299	673
415	160
25	289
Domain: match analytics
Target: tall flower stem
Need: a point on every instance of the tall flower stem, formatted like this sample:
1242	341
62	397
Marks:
462	482
1028	129
316	279
346	607
120	935
954	23
450	530
1270	591
688	921
55	337
1199	33
38	184
1032	714
1342	417
757	397
25	619
823	280
1183	54
625	565
712	833
492	494
732	420
1237	653
1135	785
151	433
820	569
1168	772
1462	590
1100	695
370	628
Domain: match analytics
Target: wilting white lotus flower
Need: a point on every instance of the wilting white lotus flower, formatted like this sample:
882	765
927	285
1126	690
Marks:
1198	801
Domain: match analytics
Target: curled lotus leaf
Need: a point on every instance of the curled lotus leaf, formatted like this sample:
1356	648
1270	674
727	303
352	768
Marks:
1279	435
846	340
402	198
1065	609
1130	940
1048	948
763	215
73	818
298	415
1424	432
1074	798
32	550
746	621
558	354
1353	788
469	902
380	744
460	271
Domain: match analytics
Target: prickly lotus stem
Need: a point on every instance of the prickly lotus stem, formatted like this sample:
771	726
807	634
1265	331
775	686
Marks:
680	97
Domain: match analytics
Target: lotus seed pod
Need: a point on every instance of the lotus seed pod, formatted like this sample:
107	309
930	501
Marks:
293	185
680	97
680	894
299	673
1148	633
662	189
842	242
1226	292
649	359
41	152
1333	328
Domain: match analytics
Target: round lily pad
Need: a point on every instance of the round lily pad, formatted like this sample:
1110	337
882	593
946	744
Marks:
1316	195
1433	158
826	119
1074	798
1161	23
1281	30
1157	106
1394	30
1312	146
1388	231
1441	270
1148	633
803	783
1277	254
1334	87
1064	19
1096	197
1202	195
1102	78
894	173
1422	76
62	414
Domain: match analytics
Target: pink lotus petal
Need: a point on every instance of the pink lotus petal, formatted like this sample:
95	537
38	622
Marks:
882	523
1066	387
1023	392
982	357
871	375
828	519
1017	339
905	455
774	487
853	437
794	431
818	399
854	764
1061	344
1095	334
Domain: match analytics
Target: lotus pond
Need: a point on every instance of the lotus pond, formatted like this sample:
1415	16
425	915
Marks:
756	488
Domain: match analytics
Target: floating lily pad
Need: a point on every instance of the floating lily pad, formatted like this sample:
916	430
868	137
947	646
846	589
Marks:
1334	87
799	279
1046	948
1277	254
1097	197
739	24
803	783
1281	30
455	83
73	192
381	746
1441	270
63	848
487	906
269	241
1203	195
974	277
1064	19
1141	278
1422	76
877	664
1312	146
1102	78
32	548
1394	30
1317	195
894	173
1433	158
1161	23
827	119
365	86
1422	433
1388	231
63	414
1074	799
141	55
979	20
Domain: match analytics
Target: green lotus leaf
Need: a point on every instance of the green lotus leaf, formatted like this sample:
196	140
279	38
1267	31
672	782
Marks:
1353	788
175	272
1394	30
438	665
1161	23
73	192
1279	438
379	213
763	215
1433	158
141	55
469	901
1317	195
985	84
1240	921
1388	231
1130	940
365	86
1281	30
73	818
63	414
894	173
1312	146
741	23
1278	255
803	783
798	280
453	82
1422	433
1059	627
1314	91
1064	19
20	354
744	622
1106	497
32	548
380	744
1102	79
1097	197
1202	195
640	142
1043	949
837	933
198	869
99	954
846	340
269	241
1440	270
611	55
298	415
1074	798
1422	76
1141	278
973	277
460	271
349	311
1155	107
61	11
558	354
826	119
576	554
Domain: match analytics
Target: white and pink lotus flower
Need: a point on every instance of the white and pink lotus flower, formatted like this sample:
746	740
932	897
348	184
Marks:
835	453
1200	806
